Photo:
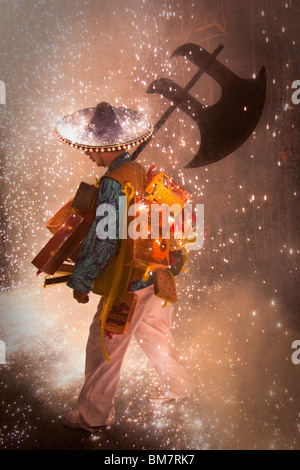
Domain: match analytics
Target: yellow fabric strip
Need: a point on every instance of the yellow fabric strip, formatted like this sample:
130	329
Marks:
111	297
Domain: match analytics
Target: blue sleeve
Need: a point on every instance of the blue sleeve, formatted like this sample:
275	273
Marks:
95	252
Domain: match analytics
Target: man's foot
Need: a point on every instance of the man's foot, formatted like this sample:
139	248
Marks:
71	421
158	397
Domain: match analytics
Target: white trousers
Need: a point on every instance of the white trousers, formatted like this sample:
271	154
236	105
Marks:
151	327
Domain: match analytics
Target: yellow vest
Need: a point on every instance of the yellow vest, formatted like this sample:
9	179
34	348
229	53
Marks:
135	174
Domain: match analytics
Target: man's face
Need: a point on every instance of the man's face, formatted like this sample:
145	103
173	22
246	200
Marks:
96	157
103	159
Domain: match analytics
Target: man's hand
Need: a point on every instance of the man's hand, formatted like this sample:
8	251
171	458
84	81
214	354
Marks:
81	297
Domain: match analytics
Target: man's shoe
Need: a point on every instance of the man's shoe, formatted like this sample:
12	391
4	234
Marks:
71	421
158	397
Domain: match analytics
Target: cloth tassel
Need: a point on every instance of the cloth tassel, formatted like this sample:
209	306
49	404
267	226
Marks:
111	297
146	274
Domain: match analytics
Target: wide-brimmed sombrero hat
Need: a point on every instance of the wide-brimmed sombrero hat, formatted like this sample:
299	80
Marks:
104	128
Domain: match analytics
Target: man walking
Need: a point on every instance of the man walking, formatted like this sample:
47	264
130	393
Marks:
106	133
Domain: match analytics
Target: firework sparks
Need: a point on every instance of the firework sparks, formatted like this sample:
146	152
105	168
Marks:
237	313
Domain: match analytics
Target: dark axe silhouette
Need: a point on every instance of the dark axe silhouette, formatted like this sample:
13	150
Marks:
224	126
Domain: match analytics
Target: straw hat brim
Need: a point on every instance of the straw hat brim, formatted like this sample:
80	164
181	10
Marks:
73	130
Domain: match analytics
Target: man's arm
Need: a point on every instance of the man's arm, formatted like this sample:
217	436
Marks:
95	253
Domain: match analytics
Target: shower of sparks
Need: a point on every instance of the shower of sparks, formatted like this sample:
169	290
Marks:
239	358
237	313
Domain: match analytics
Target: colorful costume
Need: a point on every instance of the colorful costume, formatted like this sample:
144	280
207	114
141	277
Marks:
103	130
150	325
95	253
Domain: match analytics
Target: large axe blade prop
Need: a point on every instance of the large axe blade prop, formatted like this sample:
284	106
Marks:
224	126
